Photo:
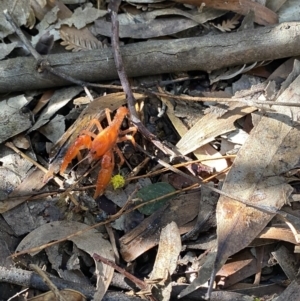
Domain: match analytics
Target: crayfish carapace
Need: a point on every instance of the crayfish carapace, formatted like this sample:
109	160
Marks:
101	146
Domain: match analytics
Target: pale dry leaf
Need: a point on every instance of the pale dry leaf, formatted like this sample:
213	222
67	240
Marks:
218	110
290	293
60	98
19	11
82	16
166	261
287	261
145	17
289	12
54	129
207	152
263	15
255	176
91	242
47	25
12	120
275	5
211	126
66	294
153	28
229	24
229	73
40	3
168	251
75	42
6	49
31	19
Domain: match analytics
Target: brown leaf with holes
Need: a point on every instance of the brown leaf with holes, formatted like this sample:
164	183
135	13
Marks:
228	25
75	41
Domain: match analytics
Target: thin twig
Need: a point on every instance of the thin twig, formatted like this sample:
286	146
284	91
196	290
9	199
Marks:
48	282
124	210
139	283
170	167
21	35
42	62
250	103
183	164
113	10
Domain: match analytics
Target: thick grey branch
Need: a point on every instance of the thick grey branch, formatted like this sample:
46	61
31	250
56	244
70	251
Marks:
154	57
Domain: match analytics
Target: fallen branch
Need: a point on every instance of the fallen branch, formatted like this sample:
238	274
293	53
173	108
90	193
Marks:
156	57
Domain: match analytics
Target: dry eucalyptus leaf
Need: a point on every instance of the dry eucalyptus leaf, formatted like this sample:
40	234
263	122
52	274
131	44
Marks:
47	26
169	248
68	294
210	126
262	15
12	120
20	13
291	293
289	11
287	261
243	265
275	5
76	39
54	129
154	28
166	261
256	177
125	19
59	99
6	49
146	234
82	16
208	153
90	242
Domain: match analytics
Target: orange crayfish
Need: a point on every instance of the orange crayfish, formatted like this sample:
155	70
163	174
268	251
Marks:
101	145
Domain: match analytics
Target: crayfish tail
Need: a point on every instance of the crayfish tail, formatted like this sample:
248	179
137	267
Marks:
107	167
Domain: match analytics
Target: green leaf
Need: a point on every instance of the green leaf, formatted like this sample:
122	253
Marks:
154	191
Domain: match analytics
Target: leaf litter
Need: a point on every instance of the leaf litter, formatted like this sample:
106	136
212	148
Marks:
247	146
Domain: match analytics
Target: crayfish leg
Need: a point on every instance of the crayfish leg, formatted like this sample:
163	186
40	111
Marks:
131	130
119	153
127	138
82	142
93	122
107	167
108	117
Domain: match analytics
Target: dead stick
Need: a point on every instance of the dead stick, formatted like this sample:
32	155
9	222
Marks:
113	9
205	53
140	283
42	63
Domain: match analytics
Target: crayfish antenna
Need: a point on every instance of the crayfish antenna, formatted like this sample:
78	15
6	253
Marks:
85	158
